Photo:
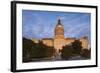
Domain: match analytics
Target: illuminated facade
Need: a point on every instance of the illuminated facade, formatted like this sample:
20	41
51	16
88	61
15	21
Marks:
59	39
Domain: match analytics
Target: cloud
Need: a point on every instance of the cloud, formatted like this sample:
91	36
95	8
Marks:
41	24
75	30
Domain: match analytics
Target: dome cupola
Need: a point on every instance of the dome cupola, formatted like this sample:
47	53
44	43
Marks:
59	30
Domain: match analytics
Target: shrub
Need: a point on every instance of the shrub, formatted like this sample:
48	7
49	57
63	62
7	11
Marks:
66	52
33	50
77	47
86	53
74	49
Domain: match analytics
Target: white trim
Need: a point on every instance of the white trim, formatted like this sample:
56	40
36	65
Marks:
35	65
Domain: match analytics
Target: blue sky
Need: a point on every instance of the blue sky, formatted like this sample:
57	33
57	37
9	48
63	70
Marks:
41	24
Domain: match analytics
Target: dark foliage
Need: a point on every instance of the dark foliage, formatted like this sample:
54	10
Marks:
74	49
86	53
27	48
41	51
33	50
77	47
66	52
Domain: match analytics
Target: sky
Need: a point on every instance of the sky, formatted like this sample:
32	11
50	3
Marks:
41	24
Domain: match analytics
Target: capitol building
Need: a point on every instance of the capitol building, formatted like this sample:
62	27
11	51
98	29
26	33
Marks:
59	40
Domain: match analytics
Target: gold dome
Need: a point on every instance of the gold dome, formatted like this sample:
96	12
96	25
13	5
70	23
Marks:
59	30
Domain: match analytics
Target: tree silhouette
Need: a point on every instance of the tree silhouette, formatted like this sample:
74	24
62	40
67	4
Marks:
41	51
74	49
32	51
77	47
86	53
66	52
27	48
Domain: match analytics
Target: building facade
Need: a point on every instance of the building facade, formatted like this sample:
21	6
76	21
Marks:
60	40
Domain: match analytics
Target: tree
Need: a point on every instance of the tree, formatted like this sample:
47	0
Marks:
66	52
86	53
74	49
41	51
77	47
27	48
33	51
